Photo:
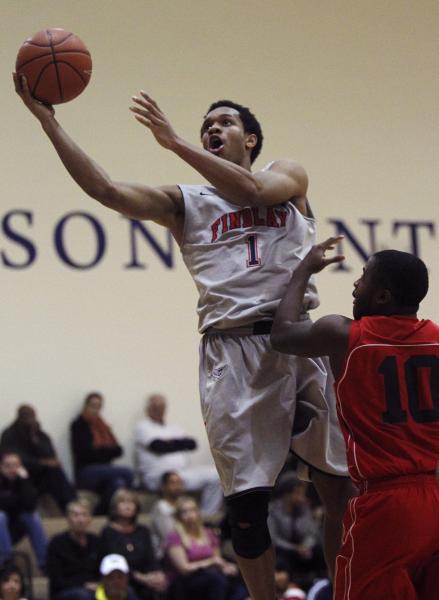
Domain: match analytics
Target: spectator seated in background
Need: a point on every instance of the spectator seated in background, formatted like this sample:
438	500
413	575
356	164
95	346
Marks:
295	534
114	570
38	454
197	569
94	446
73	557
18	517
11	583
161	447
163	511
285	590
133	541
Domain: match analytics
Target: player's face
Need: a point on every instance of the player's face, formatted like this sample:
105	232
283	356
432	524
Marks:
365	293
222	134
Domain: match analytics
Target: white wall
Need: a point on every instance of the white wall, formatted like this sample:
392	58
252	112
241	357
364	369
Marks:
350	89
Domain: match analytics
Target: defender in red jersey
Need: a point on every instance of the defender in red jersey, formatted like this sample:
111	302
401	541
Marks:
386	366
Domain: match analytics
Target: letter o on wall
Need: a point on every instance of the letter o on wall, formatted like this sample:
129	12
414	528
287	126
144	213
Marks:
97	231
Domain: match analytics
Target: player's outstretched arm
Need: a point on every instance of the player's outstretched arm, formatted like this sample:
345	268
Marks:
162	205
284	180
292	335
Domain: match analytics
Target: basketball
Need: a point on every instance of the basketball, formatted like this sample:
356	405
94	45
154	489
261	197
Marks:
56	64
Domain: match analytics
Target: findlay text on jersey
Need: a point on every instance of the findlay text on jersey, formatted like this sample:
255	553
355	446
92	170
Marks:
264	216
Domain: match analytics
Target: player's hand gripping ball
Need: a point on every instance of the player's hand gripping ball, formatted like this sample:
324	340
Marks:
57	65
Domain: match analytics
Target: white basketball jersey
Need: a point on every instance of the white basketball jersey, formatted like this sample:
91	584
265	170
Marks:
241	259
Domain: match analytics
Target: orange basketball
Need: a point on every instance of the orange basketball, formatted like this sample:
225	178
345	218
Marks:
57	65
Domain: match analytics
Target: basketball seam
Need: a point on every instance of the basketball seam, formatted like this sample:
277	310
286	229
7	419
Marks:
61	62
34	89
29	43
63	40
40	74
49	35
20	66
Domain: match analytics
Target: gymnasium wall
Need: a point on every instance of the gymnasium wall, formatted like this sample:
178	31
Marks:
348	88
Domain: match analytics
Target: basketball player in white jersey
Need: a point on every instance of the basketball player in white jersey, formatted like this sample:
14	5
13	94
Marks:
239	236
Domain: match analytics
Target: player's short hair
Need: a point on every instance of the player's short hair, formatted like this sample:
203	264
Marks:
249	121
404	275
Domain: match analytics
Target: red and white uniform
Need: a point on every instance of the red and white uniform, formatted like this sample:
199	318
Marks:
241	260
388	407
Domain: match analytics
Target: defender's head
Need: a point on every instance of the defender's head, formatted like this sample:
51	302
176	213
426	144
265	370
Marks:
231	131
392	283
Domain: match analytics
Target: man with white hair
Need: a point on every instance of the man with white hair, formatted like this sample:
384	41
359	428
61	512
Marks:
162	447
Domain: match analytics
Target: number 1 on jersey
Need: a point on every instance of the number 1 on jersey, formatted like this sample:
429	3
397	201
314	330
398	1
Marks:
253	253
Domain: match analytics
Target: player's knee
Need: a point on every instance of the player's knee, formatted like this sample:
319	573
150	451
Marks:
248	514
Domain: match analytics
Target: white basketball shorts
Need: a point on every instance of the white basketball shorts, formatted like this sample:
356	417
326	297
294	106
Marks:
252	397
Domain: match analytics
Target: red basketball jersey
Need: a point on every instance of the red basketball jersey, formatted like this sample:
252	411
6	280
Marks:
388	397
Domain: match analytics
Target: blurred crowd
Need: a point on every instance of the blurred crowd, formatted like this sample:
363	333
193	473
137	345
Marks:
179	549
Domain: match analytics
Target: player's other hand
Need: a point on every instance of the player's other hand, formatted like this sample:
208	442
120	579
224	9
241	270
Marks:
40	110
147	112
316	259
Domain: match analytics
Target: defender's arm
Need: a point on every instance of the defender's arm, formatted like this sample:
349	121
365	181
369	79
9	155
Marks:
326	337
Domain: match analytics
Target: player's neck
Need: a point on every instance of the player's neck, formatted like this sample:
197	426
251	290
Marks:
246	163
